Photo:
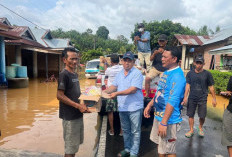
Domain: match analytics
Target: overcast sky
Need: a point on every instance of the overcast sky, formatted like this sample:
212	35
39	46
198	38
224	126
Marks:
118	16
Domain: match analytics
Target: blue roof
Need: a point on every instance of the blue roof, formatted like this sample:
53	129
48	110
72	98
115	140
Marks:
43	37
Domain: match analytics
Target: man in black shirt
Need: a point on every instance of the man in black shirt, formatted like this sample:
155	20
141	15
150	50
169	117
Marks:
227	120
197	83
70	110
156	56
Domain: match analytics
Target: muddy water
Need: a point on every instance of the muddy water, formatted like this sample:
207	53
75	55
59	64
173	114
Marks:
217	112
29	120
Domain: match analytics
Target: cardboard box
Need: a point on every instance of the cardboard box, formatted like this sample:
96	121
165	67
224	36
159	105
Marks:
93	103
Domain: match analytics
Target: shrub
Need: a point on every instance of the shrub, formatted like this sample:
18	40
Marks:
221	80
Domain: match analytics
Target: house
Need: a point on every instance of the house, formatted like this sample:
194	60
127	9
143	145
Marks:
34	48
216	49
191	45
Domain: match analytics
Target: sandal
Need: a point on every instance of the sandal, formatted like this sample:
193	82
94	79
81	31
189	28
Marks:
200	132
124	153
189	134
110	133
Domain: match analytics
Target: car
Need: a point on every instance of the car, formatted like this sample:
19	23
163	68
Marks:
92	68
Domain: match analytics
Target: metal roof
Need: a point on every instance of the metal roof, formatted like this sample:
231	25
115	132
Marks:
219	36
222	50
5	21
41	37
24	42
191	39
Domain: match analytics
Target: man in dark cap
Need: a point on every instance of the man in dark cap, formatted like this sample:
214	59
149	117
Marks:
127	87
157	67
197	83
142	40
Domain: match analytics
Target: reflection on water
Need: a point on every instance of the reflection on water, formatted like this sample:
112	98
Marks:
29	120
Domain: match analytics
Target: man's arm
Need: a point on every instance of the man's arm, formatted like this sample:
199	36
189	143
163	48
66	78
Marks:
63	98
186	93
110	89
128	91
162	131
212	91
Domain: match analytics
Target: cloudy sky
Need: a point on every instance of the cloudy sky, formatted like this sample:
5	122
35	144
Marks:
118	16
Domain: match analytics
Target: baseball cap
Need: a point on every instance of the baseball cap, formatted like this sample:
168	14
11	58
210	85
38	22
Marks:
129	55
163	37
199	58
140	25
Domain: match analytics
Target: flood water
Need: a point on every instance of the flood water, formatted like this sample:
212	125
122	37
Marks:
29	120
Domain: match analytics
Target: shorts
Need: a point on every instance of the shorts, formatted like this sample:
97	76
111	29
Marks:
153	72
227	129
201	108
111	105
73	134
166	145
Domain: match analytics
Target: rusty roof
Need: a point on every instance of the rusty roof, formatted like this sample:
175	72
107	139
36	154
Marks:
191	39
25	42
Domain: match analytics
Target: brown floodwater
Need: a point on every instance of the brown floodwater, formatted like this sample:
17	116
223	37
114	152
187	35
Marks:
29	120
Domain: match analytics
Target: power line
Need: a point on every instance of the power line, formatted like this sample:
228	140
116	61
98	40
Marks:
22	17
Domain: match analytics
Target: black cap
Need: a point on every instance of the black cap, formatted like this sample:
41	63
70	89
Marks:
199	58
129	55
140	25
163	37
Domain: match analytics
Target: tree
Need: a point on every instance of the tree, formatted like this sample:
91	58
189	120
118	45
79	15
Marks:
89	31
102	32
204	30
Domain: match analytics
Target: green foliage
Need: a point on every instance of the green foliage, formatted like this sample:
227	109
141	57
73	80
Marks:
87	41
102	32
221	80
167	27
91	54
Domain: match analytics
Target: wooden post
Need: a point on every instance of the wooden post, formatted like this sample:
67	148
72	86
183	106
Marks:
183	57
46	65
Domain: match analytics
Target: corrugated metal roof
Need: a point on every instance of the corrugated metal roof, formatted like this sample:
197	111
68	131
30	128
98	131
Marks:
191	39
222	50
5	21
219	36
41	34
26	42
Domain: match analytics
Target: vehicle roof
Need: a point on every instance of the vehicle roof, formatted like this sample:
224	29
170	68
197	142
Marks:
94	60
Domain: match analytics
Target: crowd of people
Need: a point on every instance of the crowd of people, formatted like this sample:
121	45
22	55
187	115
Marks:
125	91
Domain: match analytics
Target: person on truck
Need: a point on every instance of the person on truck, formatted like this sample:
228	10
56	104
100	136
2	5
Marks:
157	67
142	40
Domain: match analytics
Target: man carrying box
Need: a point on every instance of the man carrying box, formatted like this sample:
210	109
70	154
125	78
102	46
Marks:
70	110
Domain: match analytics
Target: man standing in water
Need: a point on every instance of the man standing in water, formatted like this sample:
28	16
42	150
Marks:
70	110
198	82
168	104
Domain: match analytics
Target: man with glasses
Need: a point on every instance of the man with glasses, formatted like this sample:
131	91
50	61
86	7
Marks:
127	87
157	67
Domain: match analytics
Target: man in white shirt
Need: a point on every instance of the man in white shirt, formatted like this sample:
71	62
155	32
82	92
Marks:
111	104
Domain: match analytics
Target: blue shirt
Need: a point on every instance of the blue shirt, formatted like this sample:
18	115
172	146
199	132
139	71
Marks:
131	102
144	46
172	88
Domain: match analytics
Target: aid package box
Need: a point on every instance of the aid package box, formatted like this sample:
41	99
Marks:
91	97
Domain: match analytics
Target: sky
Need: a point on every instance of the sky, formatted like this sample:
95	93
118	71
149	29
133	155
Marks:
119	16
